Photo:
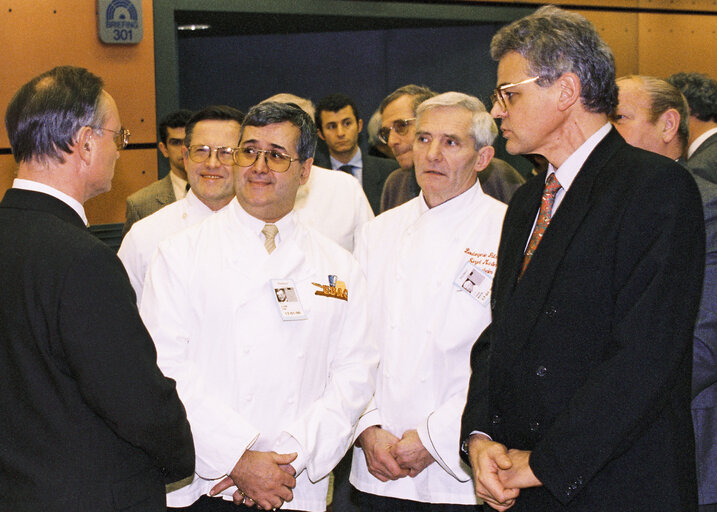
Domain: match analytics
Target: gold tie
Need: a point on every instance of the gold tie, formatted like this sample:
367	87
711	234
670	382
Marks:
270	231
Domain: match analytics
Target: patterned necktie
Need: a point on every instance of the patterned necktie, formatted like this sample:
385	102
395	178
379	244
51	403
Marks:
347	169
270	231
546	208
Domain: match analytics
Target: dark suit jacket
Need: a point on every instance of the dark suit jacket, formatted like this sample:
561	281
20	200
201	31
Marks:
88	421
499	180
704	371
587	360
148	200
703	161
374	172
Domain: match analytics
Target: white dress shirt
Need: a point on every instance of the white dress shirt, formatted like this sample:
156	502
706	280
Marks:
356	163
425	324
179	186
248	379
334	204
144	236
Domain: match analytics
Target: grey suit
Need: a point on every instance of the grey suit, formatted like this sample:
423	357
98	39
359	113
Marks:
704	370
148	200
703	161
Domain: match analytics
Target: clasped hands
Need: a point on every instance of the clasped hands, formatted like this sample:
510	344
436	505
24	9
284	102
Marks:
499	473
391	458
264	479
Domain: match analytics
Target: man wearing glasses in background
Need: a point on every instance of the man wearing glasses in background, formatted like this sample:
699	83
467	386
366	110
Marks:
580	389
272	388
212	135
174	185
398	130
88	421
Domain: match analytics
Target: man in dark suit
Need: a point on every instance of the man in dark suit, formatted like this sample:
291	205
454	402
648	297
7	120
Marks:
398	110
701	93
652	114
89	423
580	393
339	125
174	185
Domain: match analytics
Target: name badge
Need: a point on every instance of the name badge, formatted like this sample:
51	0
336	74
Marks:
474	282
287	299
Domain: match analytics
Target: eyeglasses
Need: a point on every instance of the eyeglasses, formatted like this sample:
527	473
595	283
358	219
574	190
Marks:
400	126
120	137
275	160
201	152
500	97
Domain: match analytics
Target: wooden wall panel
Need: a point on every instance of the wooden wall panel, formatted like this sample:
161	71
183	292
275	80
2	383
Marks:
670	43
38	35
620	31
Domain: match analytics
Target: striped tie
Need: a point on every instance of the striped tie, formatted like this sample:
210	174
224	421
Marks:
270	231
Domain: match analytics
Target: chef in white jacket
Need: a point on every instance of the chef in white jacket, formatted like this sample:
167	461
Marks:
211	136
429	264
262	323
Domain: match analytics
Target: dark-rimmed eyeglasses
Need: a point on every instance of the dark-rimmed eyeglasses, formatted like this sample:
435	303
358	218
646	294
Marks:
201	152
119	137
400	126
498	96
275	160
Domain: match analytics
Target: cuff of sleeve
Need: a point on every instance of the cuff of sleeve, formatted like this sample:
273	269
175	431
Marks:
368	419
288	444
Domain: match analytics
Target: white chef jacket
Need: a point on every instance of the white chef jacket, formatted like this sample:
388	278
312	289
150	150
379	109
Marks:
425	326
248	379
334	204
144	236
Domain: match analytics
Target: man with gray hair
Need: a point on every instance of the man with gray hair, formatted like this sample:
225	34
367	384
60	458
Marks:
652	114
442	243
580	391
701	93
398	117
272	382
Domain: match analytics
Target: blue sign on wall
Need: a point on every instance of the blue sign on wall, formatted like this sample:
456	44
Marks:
119	21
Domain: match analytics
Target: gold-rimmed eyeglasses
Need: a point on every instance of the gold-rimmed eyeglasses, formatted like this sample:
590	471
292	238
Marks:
502	97
400	126
201	152
275	160
119	137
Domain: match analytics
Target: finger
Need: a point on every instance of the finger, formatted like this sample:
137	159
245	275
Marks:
284	458
288	468
248	501
224	483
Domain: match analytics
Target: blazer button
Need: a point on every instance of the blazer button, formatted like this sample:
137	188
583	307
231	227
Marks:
542	371
550	311
492	302
496	419
534	426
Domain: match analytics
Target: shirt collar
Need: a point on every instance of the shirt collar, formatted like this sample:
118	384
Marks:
567	172
699	140
355	161
453	203
286	224
179	185
36	186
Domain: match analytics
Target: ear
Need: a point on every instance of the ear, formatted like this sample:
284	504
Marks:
569	90
163	149
185	156
318	132
305	170
485	155
85	144
360	125
670	123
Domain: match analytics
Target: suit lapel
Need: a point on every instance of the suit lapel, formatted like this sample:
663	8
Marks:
526	303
